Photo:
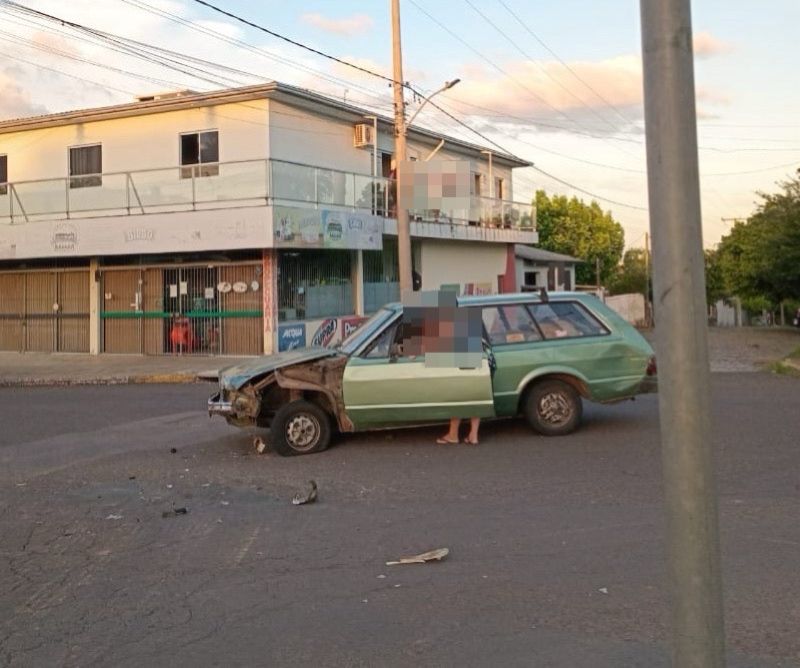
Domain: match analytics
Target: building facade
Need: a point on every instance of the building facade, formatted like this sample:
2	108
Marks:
238	222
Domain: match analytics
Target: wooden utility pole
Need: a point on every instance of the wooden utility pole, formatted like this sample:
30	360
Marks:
673	179
647	305
401	198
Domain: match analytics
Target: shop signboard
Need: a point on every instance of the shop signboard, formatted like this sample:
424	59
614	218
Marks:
291	336
350	325
325	332
297	227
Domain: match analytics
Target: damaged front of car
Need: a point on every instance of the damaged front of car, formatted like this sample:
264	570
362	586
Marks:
245	390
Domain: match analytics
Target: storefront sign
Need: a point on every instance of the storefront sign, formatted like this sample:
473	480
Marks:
325	332
291	336
326	228
350	325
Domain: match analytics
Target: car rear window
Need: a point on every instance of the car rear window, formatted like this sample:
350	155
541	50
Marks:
509	324
562	320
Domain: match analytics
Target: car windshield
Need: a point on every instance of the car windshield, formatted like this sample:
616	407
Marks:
366	331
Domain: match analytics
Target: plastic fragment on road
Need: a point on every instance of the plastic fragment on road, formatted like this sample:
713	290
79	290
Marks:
114	517
259	444
603	590
433	555
310	496
174	512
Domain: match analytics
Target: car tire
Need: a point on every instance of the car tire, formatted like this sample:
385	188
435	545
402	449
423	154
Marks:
553	408
300	428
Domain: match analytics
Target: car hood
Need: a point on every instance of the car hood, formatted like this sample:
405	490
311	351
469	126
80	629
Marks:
234	377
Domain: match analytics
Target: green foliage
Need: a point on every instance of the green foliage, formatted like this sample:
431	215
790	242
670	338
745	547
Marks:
715	281
631	275
760	258
582	230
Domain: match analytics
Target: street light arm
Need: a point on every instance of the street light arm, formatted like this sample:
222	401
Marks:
447	86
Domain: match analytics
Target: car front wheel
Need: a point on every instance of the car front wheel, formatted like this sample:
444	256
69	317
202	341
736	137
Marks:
300	428
553	408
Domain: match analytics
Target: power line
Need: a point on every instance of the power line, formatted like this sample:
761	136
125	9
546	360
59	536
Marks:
139	4
541	67
560	60
289	40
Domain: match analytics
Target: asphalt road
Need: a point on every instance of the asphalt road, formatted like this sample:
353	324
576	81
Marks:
556	545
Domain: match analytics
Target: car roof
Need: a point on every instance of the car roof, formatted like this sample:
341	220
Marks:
511	298
518	298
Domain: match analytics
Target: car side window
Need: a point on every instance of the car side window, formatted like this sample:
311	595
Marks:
382	344
563	320
509	324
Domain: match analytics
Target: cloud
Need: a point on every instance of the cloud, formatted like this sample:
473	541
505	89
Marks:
706	45
351	25
547	92
15	102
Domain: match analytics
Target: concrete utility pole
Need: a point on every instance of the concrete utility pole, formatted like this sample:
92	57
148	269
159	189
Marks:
681	336
647	305
403	227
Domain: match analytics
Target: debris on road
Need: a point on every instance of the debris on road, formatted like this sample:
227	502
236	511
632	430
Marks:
603	590
433	555
309	497
259	444
114	517
174	512
173	450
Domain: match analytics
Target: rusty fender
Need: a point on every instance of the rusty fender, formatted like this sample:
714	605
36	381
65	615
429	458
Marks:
324	376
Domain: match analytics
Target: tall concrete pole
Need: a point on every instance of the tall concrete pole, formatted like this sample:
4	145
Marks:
401	199
681	336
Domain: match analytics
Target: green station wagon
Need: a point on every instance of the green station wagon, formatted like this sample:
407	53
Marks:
538	356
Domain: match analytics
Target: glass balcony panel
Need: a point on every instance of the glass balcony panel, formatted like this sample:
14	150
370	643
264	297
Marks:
37	198
232	181
292	182
110	193
159	188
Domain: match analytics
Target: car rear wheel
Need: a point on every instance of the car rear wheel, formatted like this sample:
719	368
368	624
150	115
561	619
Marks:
300	428
553	408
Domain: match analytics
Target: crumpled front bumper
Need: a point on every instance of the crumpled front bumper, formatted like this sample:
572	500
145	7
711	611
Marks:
217	406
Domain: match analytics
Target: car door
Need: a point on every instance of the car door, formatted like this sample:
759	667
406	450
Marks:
385	385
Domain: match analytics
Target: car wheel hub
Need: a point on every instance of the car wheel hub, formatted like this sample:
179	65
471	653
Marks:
302	431
554	408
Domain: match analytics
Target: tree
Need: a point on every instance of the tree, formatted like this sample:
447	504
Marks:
715	281
631	275
582	230
760	258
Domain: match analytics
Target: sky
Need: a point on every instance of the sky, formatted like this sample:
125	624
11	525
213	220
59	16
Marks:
556	83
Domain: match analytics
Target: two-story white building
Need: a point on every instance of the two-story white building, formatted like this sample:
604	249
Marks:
239	221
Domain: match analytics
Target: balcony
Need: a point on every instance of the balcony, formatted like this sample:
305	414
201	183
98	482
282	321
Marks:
243	183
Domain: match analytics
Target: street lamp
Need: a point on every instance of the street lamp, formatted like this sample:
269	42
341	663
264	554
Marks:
447	86
401	131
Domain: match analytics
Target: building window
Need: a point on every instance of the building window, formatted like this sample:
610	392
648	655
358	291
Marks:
499	188
86	166
314	284
3	174
199	154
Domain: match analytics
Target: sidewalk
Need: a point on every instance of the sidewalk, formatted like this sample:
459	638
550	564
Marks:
25	369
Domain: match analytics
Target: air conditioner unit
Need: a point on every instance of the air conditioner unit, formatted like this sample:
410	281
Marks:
363	135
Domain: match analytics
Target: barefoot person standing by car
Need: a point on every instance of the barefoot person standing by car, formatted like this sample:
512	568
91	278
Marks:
459	338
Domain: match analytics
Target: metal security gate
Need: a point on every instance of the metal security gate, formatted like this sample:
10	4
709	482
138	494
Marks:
183	310
45	311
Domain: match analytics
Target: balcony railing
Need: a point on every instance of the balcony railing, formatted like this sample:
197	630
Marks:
232	184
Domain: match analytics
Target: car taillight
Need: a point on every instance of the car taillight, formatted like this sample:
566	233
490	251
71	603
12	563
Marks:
652	369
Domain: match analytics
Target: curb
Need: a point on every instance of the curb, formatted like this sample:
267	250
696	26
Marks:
144	379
